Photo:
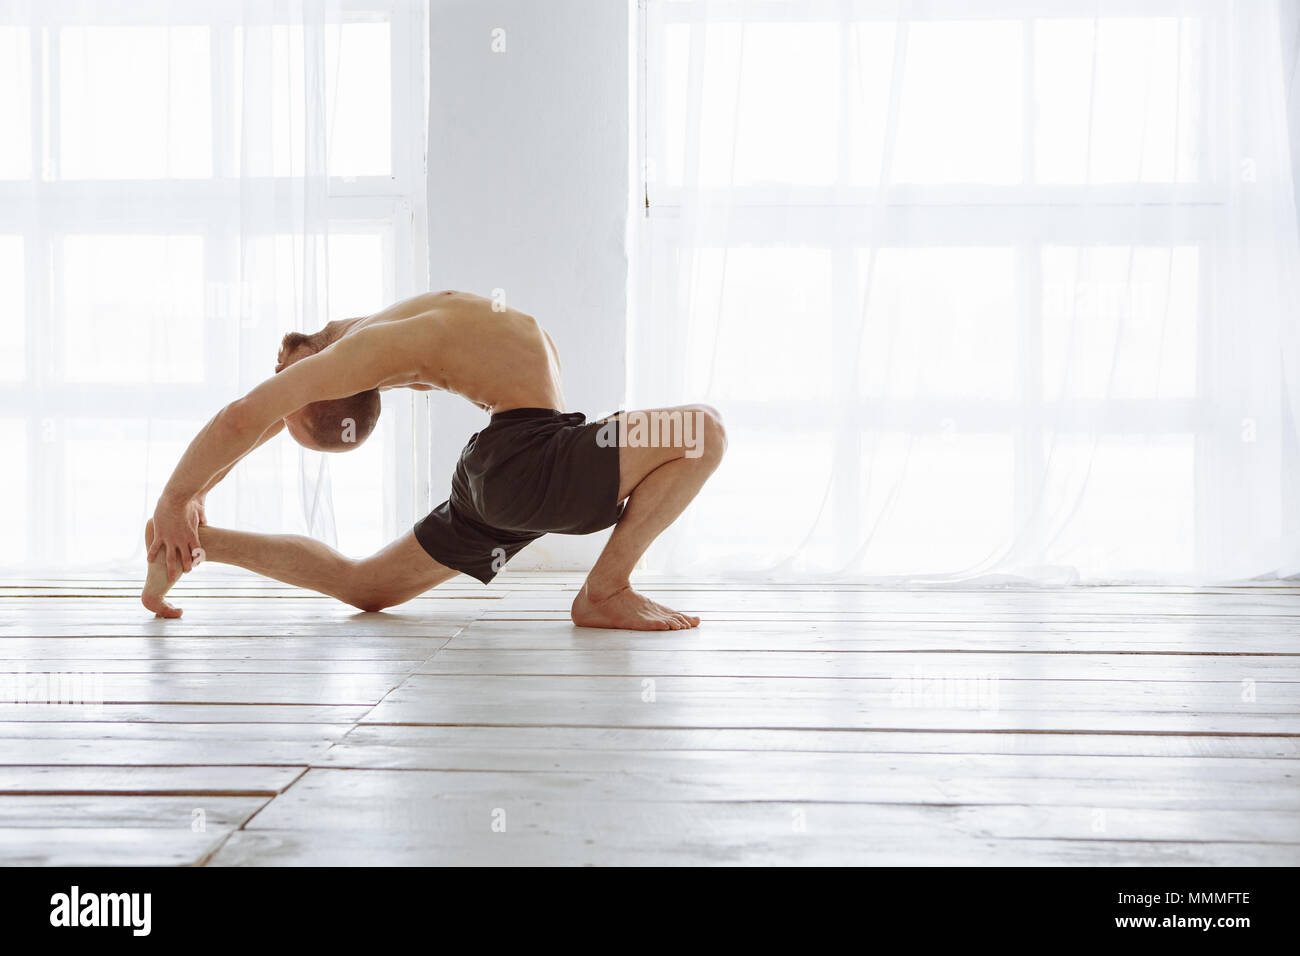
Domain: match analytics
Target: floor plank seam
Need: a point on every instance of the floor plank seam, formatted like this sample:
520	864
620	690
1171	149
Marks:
271	798
221	843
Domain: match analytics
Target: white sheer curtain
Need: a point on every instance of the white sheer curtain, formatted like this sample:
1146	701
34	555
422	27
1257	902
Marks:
987	290
182	182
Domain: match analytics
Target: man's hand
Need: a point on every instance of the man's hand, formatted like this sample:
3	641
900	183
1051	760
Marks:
156	581
176	534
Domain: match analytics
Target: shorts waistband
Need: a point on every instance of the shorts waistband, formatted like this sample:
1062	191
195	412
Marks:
516	414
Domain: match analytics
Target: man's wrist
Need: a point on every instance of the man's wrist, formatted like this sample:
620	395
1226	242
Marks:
174	499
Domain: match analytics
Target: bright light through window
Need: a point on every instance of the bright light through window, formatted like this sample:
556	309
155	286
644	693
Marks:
149	120
13	309
133	308
15	103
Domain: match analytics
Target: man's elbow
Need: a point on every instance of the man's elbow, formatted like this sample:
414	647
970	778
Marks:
239	418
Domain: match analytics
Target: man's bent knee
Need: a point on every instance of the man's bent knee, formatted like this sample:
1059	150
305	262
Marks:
369	595
711	432
363	594
371	602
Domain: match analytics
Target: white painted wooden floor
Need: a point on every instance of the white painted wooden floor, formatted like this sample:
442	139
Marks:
796	725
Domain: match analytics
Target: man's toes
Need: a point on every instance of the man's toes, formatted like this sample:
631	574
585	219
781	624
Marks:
161	608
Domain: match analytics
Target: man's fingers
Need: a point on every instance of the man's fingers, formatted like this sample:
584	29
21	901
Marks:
185	558
171	563
155	549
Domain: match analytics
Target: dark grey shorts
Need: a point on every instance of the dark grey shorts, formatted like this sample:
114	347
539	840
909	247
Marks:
530	472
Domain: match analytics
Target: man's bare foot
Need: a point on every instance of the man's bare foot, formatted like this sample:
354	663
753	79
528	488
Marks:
628	610
156	582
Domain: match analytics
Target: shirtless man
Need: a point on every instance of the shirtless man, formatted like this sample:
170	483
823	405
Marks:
533	469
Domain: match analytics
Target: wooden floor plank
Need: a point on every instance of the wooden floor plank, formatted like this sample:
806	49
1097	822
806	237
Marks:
501	748
108	846
840	703
195	733
876	665
118	688
218	780
216	666
674	764
184	713
1157	637
939	605
216	624
459	815
51	653
618	845
99	751
392	799
60	811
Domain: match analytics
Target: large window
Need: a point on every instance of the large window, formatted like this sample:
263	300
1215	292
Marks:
170	205
962	277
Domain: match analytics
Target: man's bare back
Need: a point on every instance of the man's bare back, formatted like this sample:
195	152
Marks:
535	469
496	357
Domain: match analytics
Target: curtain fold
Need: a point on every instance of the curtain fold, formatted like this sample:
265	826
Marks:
987	292
283	175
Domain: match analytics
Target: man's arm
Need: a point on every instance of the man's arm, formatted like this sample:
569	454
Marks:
353	364
220	476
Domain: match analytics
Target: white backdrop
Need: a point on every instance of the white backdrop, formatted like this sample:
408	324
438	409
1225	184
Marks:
986	290
181	183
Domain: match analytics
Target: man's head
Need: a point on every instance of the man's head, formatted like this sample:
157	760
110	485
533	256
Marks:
338	424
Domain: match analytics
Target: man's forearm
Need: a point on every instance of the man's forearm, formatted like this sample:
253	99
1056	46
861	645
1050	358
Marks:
220	476
222	442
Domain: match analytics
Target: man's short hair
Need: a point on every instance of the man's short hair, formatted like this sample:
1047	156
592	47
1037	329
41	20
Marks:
336	424
341	424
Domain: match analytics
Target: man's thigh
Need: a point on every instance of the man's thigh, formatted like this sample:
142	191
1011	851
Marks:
652	437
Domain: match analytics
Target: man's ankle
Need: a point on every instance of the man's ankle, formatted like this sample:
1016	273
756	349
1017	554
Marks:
598	589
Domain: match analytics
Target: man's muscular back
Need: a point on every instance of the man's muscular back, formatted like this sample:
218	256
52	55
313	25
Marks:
497	358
